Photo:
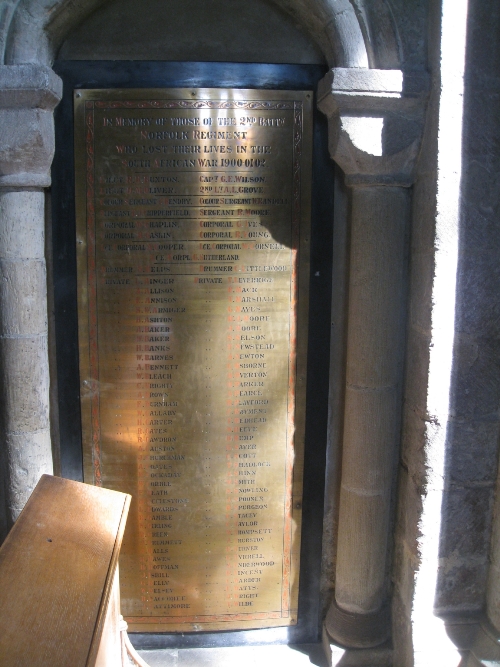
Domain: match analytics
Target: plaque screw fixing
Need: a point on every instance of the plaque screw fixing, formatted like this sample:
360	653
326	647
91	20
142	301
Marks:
78	95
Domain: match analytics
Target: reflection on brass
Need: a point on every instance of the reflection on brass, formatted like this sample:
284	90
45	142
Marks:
192	240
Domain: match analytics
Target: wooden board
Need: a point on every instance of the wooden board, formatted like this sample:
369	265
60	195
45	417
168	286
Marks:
56	571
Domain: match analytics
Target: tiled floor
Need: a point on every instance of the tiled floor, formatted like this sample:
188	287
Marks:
303	655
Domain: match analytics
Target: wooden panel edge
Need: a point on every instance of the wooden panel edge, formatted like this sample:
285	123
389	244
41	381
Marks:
106	595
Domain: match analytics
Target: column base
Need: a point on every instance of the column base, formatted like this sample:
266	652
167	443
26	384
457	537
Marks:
358	630
356	657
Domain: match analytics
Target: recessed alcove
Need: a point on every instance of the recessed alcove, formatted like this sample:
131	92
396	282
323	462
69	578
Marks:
115	47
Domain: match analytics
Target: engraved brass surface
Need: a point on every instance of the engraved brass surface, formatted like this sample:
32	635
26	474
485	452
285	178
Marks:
193	213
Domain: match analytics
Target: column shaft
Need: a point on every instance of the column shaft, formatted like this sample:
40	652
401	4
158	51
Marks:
375	123
24	405
373	394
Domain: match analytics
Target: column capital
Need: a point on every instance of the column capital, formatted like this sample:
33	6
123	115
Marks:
376	121
28	96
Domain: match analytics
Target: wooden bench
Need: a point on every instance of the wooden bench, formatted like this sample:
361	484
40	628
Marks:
59	586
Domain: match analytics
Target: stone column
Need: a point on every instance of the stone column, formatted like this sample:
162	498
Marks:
28	95
374	136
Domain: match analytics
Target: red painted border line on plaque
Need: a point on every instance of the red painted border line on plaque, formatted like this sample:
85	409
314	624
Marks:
255	105
292	361
92	294
297	109
212	618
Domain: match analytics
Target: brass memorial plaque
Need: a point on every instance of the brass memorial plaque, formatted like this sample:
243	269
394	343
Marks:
193	213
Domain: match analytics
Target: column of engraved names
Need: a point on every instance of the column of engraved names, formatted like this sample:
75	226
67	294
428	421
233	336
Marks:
164	458
255	350
163	463
144	300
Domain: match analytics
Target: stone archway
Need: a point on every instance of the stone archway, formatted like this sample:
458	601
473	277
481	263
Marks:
376	117
33	29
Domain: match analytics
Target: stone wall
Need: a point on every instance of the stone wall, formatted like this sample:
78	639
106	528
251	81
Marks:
450	442
473	426
28	95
